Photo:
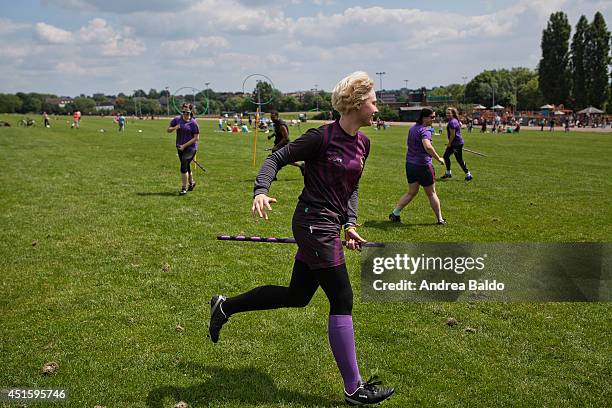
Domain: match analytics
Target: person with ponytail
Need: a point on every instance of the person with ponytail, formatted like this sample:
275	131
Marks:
455	144
419	169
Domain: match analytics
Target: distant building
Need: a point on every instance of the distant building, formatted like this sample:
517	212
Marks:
61	101
104	107
387	97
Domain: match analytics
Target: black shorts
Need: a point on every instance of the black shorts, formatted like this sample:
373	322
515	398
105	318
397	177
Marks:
425	175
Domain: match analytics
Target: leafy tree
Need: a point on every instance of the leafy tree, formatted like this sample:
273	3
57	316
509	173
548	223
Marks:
553	68
597	52
235	103
139	93
83	104
577	63
529	95
456	91
289	104
100	98
153	94
150	106
386	113
263	92
31	102
123	104
10	103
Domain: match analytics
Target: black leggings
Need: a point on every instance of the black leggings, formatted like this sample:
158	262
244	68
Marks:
458	152
304	283
186	156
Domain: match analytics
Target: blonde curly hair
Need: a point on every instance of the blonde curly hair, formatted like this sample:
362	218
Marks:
351	92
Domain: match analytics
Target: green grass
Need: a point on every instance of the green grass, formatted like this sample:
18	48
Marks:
89	218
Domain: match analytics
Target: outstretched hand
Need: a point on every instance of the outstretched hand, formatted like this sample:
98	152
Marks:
261	203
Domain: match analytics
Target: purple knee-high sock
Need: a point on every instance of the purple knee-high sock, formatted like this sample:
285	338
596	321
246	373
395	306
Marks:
342	343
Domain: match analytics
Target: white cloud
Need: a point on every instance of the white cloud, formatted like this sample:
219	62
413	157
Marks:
53	35
190	45
12	52
123	47
8	26
97	33
72	68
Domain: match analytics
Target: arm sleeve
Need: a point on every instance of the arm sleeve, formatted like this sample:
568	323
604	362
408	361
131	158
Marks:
303	148
353	203
353	206
173	122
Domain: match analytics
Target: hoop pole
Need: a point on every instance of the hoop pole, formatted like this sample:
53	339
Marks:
255	136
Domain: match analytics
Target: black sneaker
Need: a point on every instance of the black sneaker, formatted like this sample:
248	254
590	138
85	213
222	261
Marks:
217	317
369	393
183	191
446	176
442	222
394	218
468	177
191	186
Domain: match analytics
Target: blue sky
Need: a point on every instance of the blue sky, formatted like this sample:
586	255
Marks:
69	47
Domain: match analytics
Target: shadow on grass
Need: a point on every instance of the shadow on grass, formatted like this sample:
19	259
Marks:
388	225
159	194
247	385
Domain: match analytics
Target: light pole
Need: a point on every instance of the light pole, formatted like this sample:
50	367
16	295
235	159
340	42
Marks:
207	104
406	82
167	102
380	74
464	79
317	96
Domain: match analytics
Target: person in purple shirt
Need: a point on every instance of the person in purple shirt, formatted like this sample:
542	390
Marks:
187	137
419	170
334	157
455	144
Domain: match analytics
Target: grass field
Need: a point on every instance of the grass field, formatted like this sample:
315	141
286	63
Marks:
90	219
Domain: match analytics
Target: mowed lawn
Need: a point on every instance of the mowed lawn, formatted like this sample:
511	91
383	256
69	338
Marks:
102	261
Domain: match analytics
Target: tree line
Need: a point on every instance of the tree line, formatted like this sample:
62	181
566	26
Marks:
576	74
162	102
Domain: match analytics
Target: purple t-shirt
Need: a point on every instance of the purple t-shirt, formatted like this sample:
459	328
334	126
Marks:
186	131
454	124
416	152
334	163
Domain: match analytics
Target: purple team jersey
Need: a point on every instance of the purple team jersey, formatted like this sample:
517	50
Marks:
416	152
334	163
454	124
186	131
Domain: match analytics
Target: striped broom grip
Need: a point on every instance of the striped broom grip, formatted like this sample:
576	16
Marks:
275	240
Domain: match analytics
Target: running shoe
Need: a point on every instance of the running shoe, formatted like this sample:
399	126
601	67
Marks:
183	191
191	186
369	393
446	176
394	218
217	317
